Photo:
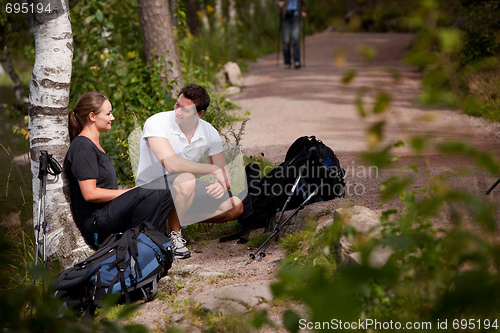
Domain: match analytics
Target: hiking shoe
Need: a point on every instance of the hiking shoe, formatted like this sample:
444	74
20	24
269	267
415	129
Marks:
178	242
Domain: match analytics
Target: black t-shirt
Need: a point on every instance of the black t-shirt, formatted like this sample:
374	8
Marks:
85	161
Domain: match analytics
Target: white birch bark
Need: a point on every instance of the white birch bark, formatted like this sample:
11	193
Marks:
232	12
48	126
218	11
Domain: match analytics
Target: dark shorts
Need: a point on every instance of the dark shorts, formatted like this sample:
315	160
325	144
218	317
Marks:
203	203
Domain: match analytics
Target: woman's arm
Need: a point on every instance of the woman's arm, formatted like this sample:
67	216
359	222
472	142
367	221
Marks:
92	193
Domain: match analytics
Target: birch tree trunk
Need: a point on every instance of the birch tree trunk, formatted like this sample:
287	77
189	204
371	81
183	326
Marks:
158	38
48	126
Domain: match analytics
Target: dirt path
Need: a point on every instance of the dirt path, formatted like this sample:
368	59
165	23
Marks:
287	104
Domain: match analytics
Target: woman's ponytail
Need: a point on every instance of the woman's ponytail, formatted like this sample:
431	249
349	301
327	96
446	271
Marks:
79	116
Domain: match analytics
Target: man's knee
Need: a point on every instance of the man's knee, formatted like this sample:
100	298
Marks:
235	211
184	184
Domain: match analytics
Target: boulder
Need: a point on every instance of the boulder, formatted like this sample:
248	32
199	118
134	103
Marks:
312	212
235	299
364	220
229	75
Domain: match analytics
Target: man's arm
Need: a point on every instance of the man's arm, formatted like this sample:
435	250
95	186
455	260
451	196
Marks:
163	151
220	161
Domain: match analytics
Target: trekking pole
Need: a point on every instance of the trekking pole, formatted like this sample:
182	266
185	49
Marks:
278	44
280	216
279	227
304	43
48	165
493	186
40	226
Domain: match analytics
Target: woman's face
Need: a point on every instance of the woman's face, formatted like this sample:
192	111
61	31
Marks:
104	117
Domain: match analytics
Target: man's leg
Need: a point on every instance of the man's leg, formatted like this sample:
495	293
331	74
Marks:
295	27
229	210
285	36
183	186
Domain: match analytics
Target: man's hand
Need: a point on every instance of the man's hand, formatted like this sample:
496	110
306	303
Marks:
215	190
281	4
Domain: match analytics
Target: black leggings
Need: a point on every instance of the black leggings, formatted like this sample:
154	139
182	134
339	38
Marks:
140	204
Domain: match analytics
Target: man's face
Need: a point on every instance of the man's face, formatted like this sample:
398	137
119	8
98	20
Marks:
185	111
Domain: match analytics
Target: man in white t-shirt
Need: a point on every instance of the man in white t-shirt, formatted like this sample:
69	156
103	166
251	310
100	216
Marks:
172	143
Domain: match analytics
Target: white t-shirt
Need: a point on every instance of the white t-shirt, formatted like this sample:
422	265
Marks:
206	140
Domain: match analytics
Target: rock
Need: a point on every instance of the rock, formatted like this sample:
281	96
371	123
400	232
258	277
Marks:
176	317
323	225
229	91
187	327
148	316
234	299
229	75
364	220
378	257
312	212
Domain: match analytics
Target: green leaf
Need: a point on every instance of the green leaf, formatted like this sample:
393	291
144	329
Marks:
383	101
384	217
394	187
368	53
380	158
473	107
418	144
349	76
421	59
449	39
291	321
398	144
89	19
438	97
99	16
375	133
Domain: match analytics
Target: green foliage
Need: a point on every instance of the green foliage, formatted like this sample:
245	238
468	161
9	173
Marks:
433	273
458	48
203	55
27	306
444	265
109	58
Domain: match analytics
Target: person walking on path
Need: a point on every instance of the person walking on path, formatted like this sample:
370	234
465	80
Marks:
98	206
290	14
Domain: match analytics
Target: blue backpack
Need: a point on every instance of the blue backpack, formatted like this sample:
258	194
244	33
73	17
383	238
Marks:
126	263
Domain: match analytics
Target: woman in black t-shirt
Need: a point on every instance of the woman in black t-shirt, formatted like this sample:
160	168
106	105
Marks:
99	207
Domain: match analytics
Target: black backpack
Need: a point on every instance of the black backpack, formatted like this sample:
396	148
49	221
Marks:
318	168
126	263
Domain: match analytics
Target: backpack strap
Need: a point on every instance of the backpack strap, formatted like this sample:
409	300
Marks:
160	240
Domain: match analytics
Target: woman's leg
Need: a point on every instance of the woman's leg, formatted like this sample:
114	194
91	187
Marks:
130	209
